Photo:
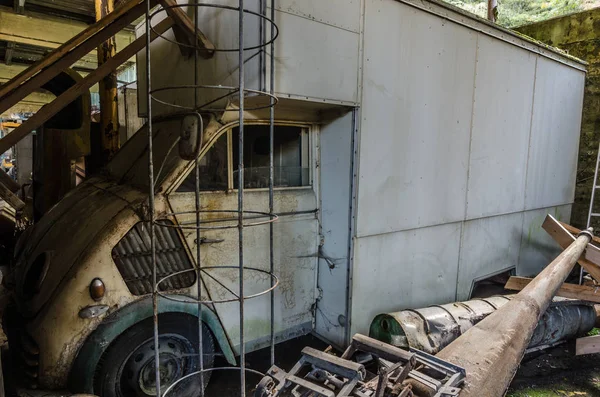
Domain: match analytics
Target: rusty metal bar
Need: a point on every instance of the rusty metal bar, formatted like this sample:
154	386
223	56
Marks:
108	87
491	351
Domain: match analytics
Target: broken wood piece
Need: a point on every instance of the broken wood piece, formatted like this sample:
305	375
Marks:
564	236
587	345
32	78
571	291
9	182
188	28
49	110
10	197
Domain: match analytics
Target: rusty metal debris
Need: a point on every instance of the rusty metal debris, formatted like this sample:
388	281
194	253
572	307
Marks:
432	328
368	368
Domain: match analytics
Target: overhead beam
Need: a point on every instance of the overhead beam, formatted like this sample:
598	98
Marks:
68	53
49	32
48	111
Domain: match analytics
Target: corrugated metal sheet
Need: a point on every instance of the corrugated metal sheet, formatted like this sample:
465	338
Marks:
344	14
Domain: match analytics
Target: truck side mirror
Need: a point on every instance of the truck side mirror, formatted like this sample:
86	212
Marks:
190	139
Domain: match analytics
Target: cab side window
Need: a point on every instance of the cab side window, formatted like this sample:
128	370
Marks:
290	157
213	170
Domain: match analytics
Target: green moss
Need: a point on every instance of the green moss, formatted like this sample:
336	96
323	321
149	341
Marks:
560	391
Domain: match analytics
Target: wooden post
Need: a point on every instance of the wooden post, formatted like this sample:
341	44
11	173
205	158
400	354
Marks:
492	10
108	87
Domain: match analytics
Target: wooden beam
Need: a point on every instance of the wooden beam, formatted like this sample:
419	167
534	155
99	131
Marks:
184	22
109	119
10	48
75	91
587	345
46	31
11	198
564	237
64	56
8	182
571	291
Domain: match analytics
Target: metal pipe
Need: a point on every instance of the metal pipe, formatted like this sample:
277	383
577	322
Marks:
151	203
491	351
241	197
272	177
432	328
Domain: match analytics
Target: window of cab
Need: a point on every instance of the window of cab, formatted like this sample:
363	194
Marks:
219	166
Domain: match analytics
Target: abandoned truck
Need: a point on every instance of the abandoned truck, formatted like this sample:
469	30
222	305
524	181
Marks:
418	150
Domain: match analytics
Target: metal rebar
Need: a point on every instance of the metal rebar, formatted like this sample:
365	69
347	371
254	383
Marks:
198	220
151	204
241	197
271	177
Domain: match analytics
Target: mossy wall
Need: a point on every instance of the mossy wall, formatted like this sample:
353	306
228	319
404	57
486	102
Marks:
579	35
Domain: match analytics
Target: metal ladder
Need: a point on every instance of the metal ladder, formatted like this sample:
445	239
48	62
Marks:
591	213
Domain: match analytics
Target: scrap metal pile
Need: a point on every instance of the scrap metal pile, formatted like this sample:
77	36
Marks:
368	368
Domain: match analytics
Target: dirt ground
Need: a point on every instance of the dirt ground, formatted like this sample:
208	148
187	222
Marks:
553	372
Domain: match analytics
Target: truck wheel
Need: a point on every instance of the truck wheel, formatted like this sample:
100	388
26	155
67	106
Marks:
127	367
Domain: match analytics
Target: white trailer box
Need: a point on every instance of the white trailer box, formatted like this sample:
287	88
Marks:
435	144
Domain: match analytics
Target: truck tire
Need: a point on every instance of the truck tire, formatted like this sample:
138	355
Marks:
127	367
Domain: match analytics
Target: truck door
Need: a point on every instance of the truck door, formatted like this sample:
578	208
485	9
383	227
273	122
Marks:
296	232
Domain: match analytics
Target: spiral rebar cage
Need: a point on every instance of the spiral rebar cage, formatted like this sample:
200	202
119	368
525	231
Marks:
242	218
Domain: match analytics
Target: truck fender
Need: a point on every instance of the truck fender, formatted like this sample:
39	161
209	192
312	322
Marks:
89	355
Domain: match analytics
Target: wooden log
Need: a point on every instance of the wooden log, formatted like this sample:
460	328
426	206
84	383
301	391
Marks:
587	345
64	56
571	291
48	111
564	235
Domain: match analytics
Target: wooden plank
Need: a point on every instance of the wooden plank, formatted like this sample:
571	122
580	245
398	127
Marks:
187	25
572	291
63	57
565	236
9	182
11	198
75	91
587	345
574	231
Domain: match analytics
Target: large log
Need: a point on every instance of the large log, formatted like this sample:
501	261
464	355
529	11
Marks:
491	351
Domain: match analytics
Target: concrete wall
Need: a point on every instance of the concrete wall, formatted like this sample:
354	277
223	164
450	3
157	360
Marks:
579	35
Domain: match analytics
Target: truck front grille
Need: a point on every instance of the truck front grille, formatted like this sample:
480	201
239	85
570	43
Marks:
133	258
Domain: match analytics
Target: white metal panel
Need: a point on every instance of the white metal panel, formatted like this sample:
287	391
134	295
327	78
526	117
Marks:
402	270
341	13
335	167
538	249
416	114
554	144
315	60
170	68
501	126
488	246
